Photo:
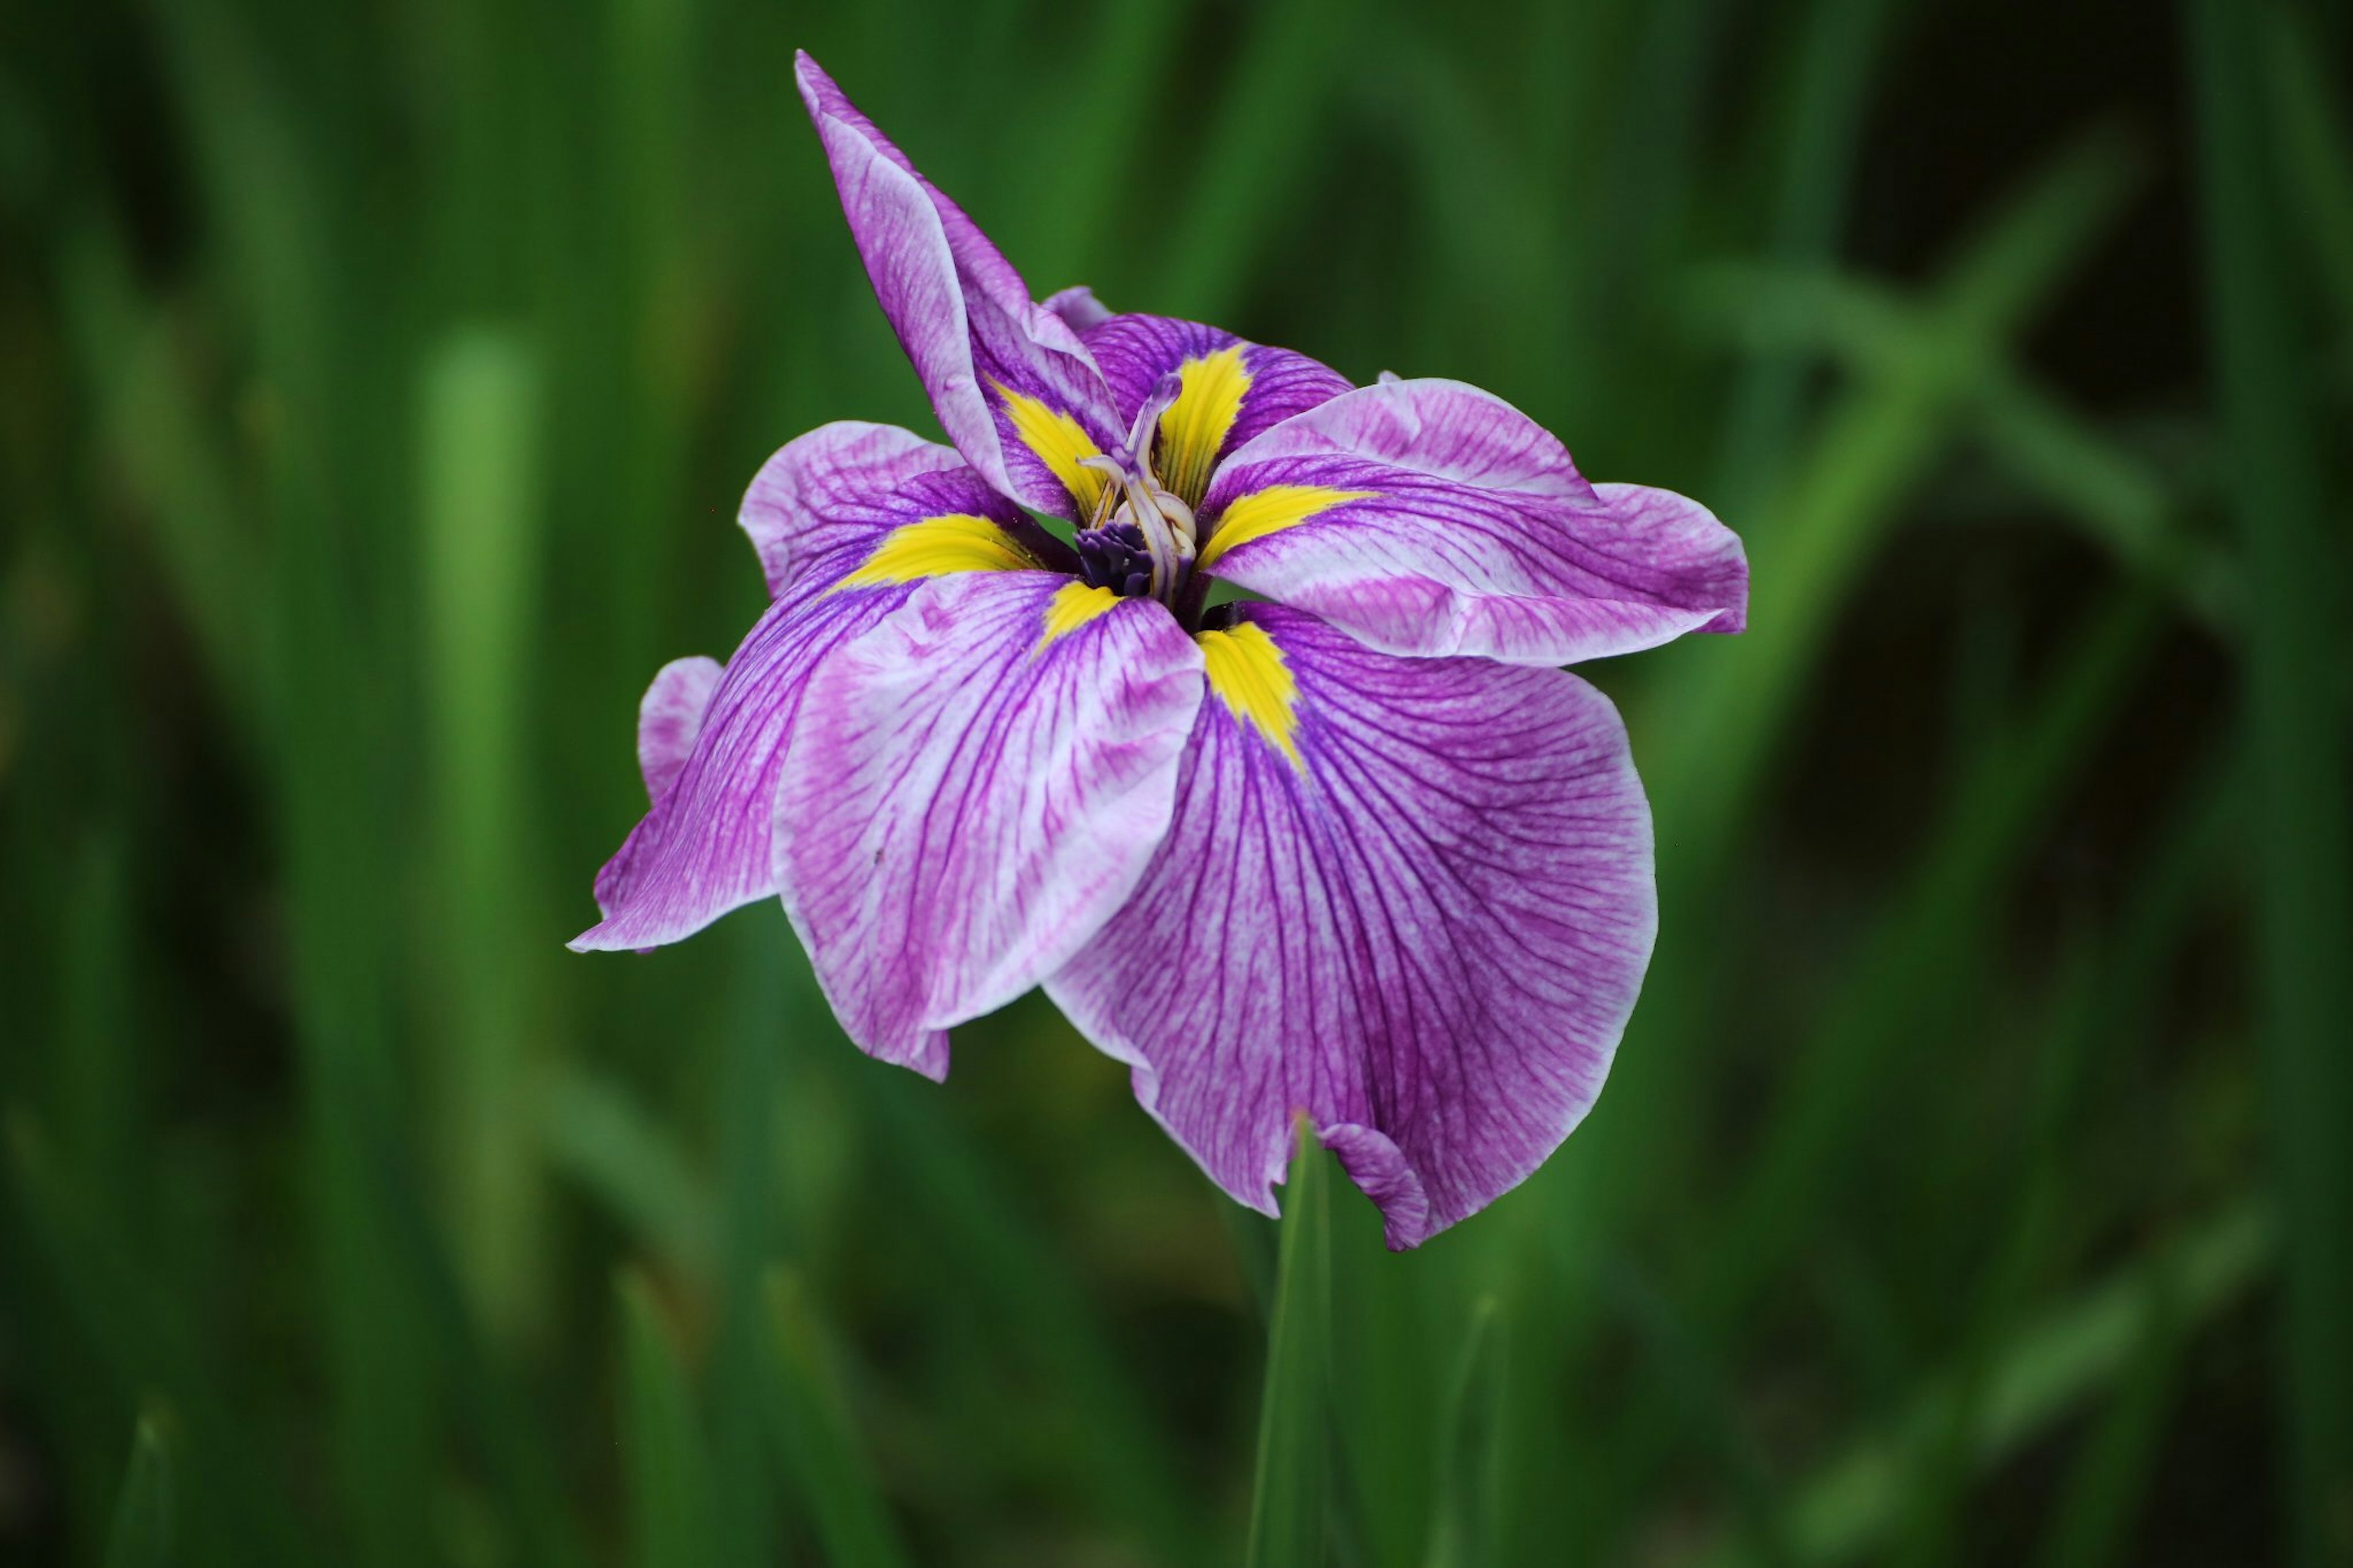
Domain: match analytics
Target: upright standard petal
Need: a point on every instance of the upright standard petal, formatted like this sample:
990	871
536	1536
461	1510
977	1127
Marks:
1430	519
1015	389
847	520
1411	897
1227	391
972	787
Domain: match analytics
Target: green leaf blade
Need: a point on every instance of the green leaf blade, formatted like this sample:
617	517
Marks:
835	1479
1287	1518
668	1466
143	1533
1462	1529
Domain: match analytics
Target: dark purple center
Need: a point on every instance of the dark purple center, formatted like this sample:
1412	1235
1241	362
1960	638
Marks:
1113	556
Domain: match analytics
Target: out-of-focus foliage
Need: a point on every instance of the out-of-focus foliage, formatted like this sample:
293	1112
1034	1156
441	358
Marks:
376	386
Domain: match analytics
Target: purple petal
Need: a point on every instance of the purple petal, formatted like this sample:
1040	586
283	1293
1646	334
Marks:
703	849
973	788
1435	519
1078	307
1412	898
670	719
822	503
1137	350
1015	390
847	520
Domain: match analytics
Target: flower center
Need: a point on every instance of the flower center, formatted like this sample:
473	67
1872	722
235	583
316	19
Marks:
1115	556
1141	538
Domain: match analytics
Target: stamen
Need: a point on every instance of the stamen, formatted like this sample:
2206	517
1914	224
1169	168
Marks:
1107	498
1164	524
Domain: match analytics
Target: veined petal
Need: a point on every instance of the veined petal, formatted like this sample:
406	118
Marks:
1231	389
704	848
1003	372
1411	897
849	521
670	719
1430	519
974	787
824	503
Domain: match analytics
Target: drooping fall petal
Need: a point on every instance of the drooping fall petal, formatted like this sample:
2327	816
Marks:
1411	897
846	520
974	787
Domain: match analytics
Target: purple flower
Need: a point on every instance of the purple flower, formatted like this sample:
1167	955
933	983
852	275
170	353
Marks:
1363	851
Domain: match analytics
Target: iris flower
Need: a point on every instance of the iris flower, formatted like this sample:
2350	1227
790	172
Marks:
1357	849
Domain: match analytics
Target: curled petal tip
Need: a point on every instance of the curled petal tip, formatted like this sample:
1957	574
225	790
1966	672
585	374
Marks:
1011	383
810	77
1078	307
1383	1173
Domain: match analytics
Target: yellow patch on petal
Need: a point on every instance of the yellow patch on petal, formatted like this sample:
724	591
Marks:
1072	606
1270	511
1060	443
937	546
1249	675
1193	428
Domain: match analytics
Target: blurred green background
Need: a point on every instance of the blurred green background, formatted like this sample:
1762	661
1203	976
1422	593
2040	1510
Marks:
377	383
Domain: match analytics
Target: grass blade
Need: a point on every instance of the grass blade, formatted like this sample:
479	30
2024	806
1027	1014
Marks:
1251	157
598	1136
1912	962
669	1470
2113	494
750	1225
143	1533
1387	1377
1846	1509
2102	1003
2095	1513
1462	1529
478	418
487	1399
837	1483
142	1344
151	419
1287	1519
1828	95
2301	777
2316	149
1878	442
1026	1287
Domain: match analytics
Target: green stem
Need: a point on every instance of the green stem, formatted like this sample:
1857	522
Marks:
1287	1517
